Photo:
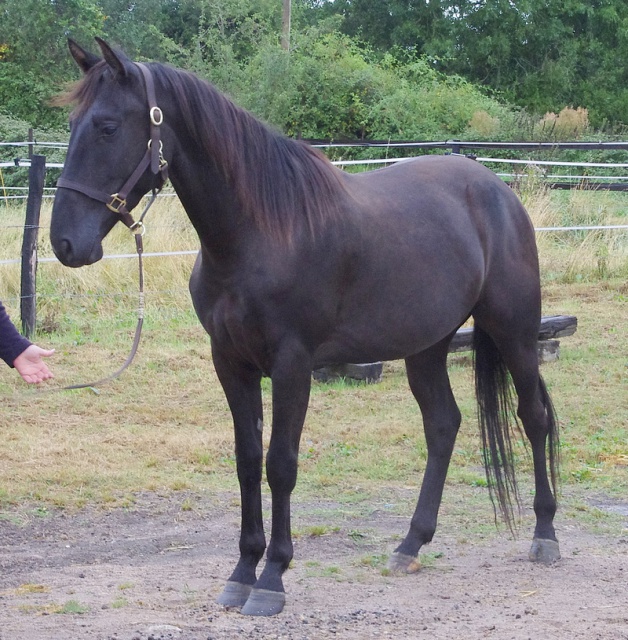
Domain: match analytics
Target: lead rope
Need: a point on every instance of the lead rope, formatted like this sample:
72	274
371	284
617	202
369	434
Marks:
138	230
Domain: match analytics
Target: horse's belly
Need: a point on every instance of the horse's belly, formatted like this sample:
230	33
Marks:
406	314
373	340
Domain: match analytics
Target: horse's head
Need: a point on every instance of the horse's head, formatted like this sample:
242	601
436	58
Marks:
107	168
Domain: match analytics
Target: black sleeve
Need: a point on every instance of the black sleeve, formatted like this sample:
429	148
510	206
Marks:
12	343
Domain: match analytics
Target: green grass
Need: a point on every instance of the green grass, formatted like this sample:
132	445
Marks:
72	607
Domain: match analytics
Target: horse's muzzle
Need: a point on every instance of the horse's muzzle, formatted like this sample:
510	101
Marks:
69	257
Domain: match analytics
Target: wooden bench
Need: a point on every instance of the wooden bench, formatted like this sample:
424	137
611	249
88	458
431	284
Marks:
552	328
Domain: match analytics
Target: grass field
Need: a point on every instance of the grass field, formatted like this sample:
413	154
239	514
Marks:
164	425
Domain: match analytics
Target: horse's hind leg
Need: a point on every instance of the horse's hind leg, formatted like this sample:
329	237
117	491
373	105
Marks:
429	382
517	344
537	416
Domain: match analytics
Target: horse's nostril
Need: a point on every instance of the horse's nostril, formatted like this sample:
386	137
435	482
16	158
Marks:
65	247
63	250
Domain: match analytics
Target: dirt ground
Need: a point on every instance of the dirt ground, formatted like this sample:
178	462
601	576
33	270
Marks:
152	572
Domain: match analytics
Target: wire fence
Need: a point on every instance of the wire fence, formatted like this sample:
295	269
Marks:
587	177
530	166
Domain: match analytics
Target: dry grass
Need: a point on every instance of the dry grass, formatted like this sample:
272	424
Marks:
569	124
483	124
577	256
164	426
109	284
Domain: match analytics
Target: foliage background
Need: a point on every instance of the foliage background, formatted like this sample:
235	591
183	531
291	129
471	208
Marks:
357	68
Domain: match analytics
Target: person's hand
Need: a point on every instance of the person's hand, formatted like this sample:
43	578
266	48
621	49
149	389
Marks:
31	367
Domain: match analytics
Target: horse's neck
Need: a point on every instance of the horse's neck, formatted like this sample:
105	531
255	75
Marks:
208	200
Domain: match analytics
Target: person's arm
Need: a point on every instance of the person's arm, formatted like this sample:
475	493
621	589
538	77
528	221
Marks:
12	343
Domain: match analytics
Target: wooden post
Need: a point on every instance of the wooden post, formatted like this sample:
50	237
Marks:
31	139
28	311
285	24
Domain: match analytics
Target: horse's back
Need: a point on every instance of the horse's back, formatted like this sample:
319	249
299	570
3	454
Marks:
451	201
432	238
454	185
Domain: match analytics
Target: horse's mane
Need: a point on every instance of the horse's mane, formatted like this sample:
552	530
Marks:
282	184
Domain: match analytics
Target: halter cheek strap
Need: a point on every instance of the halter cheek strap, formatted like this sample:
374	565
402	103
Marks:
153	158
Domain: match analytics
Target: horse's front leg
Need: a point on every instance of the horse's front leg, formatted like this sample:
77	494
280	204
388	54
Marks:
241	385
291	379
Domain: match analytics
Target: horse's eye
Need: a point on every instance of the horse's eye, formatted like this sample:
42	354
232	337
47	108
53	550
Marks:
109	130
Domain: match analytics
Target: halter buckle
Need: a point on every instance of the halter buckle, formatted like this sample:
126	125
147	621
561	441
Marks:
116	204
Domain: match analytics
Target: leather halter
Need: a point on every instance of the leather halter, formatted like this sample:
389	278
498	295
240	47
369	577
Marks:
117	202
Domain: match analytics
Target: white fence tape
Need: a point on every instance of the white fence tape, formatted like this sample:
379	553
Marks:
345	163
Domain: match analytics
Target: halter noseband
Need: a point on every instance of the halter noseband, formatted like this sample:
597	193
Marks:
153	158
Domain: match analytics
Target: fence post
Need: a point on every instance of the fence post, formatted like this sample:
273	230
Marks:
31	139
28	311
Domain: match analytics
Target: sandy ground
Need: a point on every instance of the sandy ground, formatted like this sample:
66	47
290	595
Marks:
153	572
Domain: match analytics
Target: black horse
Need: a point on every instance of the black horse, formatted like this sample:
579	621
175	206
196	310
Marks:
302	265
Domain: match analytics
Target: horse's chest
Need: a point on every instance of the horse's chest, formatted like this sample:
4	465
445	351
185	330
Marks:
235	327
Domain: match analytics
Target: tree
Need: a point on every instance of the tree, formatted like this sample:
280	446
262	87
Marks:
547	54
286	18
151	29
34	59
422	26
539	54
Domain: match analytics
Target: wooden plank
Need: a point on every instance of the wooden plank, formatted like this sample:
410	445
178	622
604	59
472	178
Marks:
462	341
370	372
551	327
548	350
557	327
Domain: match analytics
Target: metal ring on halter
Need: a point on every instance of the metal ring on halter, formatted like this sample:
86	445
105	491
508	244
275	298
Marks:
156	116
161	146
138	228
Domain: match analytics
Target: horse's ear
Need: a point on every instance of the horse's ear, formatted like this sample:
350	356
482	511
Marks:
116	60
84	59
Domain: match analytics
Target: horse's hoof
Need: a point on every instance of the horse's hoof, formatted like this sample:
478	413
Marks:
400	563
235	594
544	550
263	602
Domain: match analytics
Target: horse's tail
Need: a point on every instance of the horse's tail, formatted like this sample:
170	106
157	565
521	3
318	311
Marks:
553	436
496	412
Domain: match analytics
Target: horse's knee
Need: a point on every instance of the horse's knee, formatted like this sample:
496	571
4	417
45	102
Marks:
281	470
249	470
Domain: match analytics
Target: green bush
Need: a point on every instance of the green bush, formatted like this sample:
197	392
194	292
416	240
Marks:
330	87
